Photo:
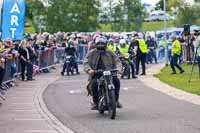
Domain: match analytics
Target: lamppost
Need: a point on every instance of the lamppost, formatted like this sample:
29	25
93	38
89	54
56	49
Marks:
165	35
1	7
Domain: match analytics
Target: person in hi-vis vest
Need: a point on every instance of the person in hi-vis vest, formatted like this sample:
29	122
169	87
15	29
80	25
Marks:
123	49
175	53
141	53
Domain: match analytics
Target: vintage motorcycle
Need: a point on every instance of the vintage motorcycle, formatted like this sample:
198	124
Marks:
106	88
126	71
69	62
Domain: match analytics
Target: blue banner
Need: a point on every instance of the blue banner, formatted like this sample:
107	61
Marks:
13	19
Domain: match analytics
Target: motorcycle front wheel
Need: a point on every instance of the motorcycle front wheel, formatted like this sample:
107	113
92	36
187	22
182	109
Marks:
112	104
101	107
128	72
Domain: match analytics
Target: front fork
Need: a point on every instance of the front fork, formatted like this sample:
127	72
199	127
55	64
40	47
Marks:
109	87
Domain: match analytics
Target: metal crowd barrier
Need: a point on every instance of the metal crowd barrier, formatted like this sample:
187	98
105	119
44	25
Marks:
46	59
82	52
59	54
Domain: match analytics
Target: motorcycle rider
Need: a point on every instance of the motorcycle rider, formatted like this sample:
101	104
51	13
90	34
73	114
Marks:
123	49
100	58
111	46
70	50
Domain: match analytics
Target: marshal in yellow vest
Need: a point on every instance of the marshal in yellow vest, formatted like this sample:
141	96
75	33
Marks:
142	45
124	51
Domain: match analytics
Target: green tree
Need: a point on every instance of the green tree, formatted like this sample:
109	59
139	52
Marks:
68	15
188	14
128	15
173	3
34	8
169	4
160	5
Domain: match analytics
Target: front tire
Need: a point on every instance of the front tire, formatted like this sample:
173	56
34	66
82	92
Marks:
101	105
128	72
112	105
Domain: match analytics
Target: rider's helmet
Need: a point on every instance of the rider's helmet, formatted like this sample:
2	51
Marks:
101	43
111	41
122	42
70	43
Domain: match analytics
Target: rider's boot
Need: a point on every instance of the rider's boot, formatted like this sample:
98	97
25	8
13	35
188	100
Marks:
119	105
67	73
62	73
94	106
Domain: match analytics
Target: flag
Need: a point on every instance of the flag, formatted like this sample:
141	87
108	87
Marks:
13	19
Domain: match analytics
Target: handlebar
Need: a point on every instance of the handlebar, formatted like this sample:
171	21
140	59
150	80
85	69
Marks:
100	71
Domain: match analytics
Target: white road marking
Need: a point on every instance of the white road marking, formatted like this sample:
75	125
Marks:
75	91
40	131
21	97
21	119
125	88
23	103
32	110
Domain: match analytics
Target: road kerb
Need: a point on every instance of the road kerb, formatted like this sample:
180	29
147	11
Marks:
162	87
45	113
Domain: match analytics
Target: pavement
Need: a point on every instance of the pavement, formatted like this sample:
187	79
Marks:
24	110
55	104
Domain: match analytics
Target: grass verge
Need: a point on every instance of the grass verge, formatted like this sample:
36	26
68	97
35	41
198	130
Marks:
146	26
29	29
153	26
181	81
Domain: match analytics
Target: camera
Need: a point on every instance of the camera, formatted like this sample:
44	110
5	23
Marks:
186	30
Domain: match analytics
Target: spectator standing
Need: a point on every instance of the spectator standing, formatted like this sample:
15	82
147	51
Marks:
31	60
12	58
2	63
161	48
190	48
24	58
152	45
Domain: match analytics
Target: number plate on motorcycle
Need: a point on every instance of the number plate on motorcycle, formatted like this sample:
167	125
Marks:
68	57
107	73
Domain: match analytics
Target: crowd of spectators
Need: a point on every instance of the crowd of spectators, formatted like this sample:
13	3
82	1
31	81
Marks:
39	51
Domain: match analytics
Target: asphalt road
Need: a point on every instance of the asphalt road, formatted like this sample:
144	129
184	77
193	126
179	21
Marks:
145	110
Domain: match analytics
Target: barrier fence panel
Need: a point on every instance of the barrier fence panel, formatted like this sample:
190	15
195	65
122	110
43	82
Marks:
59	54
82	52
13	67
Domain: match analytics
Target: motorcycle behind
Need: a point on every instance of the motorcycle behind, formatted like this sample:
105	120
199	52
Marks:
126	71
69	62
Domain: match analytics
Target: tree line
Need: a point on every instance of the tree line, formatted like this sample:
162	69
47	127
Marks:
88	15
83	15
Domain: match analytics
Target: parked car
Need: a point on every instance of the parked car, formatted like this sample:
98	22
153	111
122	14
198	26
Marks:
158	16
